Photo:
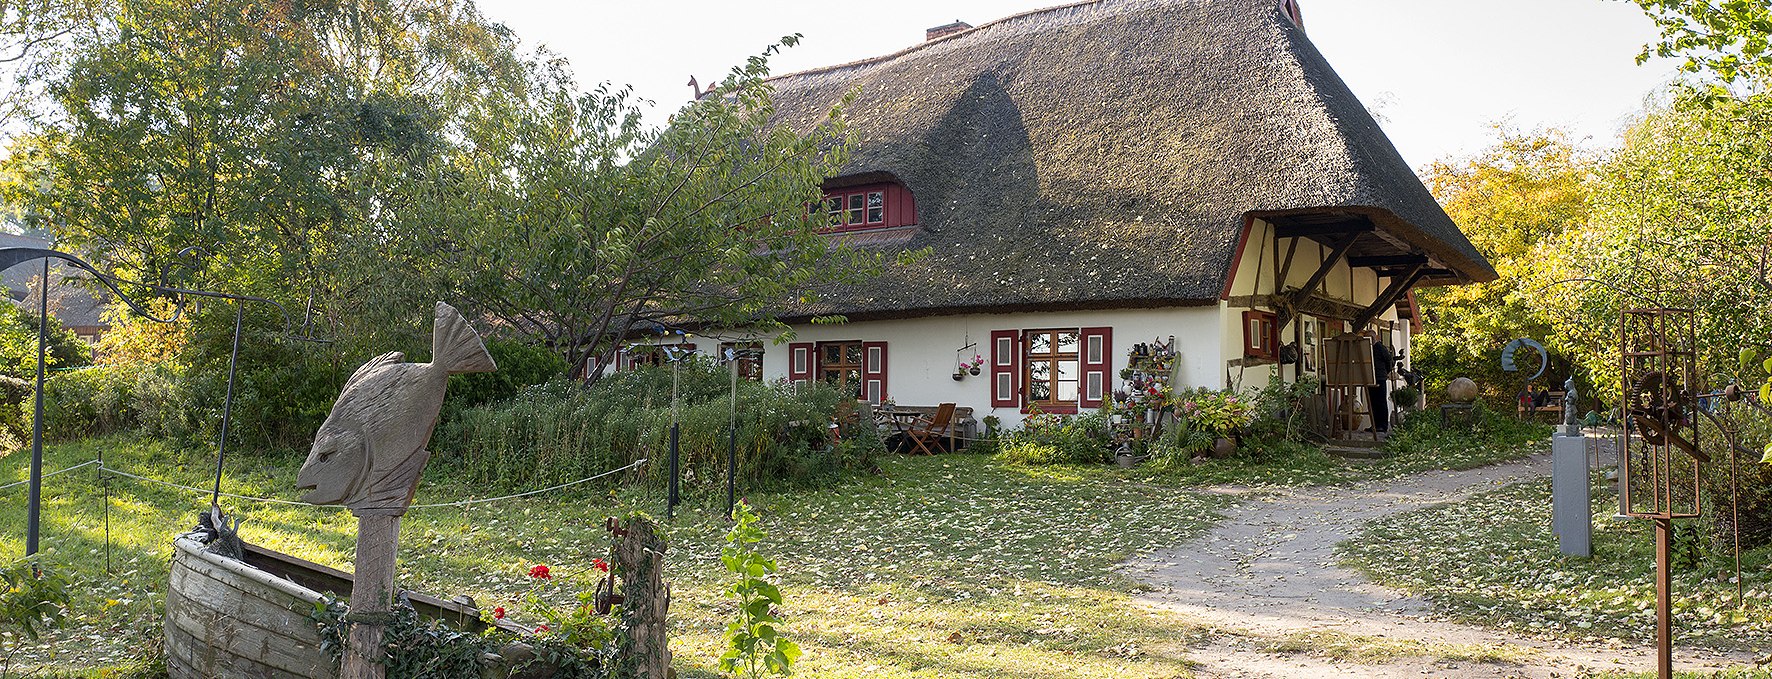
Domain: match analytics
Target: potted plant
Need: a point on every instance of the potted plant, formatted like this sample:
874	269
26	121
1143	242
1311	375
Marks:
1406	398
1223	414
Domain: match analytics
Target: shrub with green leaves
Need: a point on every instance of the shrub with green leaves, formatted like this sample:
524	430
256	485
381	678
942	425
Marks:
1058	439
754	645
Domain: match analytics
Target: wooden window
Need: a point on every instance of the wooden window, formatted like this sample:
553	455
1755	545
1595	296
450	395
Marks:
748	356
870	206
1261	335
857	211
1053	371
840	364
876	207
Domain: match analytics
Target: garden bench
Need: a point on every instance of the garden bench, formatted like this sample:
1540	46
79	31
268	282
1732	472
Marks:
1553	404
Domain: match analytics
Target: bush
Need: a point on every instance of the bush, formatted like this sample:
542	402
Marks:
85	402
519	366
562	431
1489	430
1058	439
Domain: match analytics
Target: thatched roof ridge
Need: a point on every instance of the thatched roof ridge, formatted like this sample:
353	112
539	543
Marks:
1108	153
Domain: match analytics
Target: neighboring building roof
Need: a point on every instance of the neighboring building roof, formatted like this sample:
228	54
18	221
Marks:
69	301
1107	153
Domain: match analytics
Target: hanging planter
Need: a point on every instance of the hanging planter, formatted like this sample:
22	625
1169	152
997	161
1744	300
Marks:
974	370
959	375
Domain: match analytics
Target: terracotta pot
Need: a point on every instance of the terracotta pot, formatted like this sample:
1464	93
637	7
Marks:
1223	448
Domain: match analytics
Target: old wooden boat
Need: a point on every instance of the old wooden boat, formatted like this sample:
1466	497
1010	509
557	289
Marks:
253	617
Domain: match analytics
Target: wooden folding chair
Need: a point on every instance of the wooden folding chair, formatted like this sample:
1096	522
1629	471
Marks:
924	431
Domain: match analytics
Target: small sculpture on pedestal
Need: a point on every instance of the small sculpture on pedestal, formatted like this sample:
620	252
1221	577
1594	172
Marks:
1571	423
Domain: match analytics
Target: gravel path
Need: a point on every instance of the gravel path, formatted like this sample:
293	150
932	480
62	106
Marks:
1268	570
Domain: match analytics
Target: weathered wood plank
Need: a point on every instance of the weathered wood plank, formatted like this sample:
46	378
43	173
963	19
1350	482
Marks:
241	603
230	638
189	658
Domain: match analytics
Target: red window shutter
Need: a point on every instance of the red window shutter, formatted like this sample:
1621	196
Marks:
873	371
1005	365
1097	359
801	362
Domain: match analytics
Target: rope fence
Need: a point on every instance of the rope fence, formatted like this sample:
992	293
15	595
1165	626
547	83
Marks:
103	468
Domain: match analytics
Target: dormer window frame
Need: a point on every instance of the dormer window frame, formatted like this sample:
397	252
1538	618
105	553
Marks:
868	206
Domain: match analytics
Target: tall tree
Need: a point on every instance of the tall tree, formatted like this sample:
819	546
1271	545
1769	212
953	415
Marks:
576	226
265	134
1729	39
1513	200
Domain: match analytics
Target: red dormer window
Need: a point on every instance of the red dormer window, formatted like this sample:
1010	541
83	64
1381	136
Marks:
869	206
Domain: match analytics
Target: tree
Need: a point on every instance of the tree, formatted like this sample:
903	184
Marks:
1680	220
1727	38
1513	200
576	227
268	135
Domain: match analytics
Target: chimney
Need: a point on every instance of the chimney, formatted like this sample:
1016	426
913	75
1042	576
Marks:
945	30
1290	9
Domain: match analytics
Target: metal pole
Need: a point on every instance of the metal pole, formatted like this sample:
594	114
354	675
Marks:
221	450
1664	612
33	518
671	493
732	437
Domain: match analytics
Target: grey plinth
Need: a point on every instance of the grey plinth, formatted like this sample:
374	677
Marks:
1571	516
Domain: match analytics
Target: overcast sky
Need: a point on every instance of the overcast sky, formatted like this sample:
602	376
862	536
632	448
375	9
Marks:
1439	72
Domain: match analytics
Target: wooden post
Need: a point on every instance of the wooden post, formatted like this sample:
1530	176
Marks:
372	595
639	560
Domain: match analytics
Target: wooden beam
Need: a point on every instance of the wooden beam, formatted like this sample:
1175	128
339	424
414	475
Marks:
1376	261
1425	273
1336	254
1388	298
1332	229
1285	268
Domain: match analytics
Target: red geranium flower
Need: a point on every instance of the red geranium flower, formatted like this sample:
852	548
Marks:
541	629
600	564
540	572
498	613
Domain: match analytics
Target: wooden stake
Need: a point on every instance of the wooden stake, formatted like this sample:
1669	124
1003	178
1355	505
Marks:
372	595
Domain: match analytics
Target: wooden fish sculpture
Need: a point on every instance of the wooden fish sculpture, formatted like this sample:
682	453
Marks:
368	454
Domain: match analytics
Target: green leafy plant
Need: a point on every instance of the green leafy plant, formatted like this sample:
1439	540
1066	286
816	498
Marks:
1058	439
755	647
35	599
1221	412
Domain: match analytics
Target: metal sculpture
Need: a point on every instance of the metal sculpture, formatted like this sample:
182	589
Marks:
1660	462
367	456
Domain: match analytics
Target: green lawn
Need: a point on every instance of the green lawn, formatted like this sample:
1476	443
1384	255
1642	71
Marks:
948	566
1492	560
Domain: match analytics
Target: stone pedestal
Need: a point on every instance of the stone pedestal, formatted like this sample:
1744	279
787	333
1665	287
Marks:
1571	513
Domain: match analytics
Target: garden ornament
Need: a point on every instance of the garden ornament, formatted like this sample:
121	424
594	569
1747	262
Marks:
369	452
367	456
1570	396
1462	390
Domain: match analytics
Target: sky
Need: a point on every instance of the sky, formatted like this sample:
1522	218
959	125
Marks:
1439	73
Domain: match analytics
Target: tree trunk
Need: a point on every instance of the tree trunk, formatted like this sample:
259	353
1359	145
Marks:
639	561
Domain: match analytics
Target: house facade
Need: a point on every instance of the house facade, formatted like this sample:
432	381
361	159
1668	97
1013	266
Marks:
1107	191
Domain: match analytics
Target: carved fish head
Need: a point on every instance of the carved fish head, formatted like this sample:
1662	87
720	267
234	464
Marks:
336	465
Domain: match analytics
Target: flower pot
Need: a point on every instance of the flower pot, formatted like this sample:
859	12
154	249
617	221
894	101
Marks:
974	370
959	375
1223	448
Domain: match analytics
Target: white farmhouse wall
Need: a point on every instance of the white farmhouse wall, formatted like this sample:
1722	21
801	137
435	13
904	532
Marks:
922	352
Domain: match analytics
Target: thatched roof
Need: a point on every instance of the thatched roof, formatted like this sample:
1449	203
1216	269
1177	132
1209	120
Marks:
1107	154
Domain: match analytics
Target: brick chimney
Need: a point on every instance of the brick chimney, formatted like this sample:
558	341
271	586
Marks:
945	29
1291	10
